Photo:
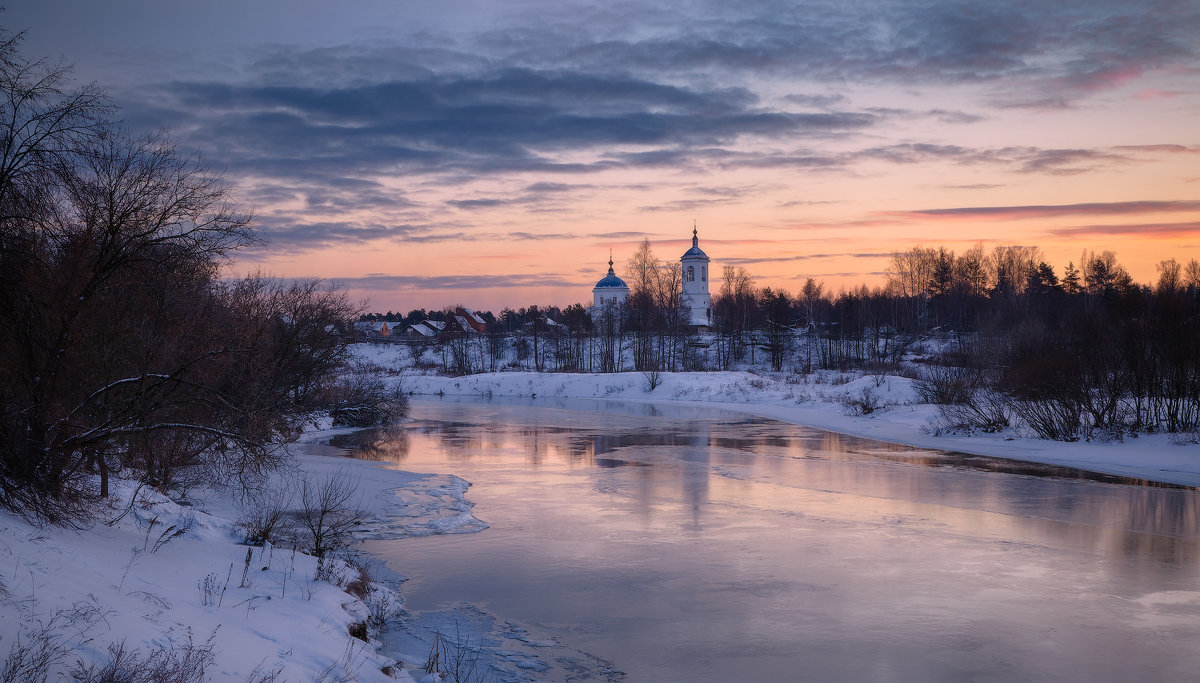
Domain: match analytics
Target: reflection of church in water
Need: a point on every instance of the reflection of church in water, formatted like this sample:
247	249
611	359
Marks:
612	290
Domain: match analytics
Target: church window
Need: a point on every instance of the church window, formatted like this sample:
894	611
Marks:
703	273
691	273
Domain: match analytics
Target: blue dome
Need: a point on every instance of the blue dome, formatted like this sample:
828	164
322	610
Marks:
611	281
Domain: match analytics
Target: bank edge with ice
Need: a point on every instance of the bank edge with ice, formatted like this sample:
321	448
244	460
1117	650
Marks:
175	582
833	401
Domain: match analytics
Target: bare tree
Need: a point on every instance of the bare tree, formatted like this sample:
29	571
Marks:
810	295
1192	274
733	307
670	314
643	271
1010	268
910	272
44	122
1170	277
329	512
118	342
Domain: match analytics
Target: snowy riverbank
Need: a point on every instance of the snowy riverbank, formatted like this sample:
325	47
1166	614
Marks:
827	400
176	580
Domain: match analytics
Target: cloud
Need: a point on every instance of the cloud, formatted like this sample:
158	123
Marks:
558	96
285	233
940	115
805	202
818	101
1064	161
478	203
738	261
1034	54
1050	211
526	98
1157	94
1191	229
947	116
384	281
548	187
1160	149
569	91
616	235
687	204
505	120
843	274
1016	159
306	235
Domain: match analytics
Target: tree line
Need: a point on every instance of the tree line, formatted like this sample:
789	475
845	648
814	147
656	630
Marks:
1072	355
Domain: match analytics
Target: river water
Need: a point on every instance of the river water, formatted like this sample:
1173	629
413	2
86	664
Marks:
677	544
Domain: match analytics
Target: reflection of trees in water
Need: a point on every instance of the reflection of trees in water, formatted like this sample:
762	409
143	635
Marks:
1046	504
458	440
1056	506
382	444
1168	525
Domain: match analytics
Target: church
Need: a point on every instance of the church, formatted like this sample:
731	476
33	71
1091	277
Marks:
612	290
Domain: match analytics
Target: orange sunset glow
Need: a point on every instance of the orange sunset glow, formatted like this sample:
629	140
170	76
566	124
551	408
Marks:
492	154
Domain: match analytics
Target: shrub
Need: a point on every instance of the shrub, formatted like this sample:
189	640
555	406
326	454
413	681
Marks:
363	400
360	584
359	630
651	379
984	409
946	385
1056	418
865	403
263	514
185	663
329	513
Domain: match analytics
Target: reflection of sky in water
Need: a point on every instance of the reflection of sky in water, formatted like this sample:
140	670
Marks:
700	545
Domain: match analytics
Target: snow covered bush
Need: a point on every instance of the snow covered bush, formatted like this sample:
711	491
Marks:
864	402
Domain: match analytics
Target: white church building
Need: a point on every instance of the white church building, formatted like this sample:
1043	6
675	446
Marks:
612	290
696	298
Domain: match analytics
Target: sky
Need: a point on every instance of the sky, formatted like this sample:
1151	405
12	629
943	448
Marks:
491	154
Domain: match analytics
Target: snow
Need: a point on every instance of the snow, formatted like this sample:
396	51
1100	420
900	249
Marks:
141	581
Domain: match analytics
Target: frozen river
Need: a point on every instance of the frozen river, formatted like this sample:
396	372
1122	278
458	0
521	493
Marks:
690	545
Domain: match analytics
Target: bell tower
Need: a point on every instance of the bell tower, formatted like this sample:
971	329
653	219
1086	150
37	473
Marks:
696	298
